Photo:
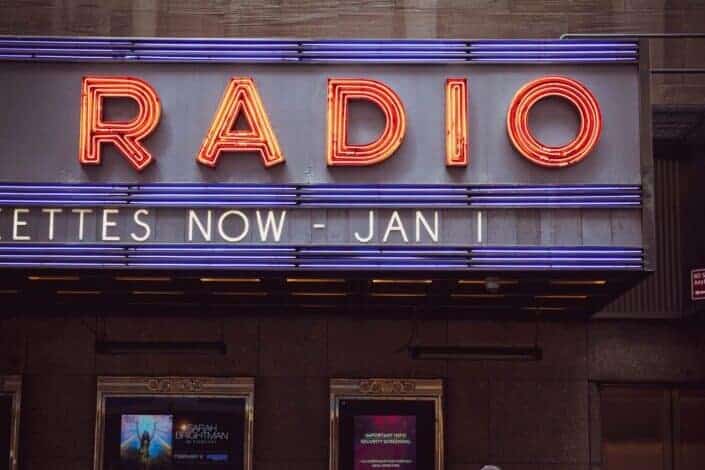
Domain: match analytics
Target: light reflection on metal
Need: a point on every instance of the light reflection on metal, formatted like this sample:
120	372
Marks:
578	282
125	135
231	279
402	281
457	144
158	292
539	308
78	292
340	92
241	99
484	281
53	278
554	156
143	278
318	294
398	294
477	296
562	296
240	293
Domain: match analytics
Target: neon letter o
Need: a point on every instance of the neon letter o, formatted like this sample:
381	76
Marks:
554	156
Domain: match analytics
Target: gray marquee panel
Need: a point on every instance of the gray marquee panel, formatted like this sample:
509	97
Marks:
39	124
458	227
504	212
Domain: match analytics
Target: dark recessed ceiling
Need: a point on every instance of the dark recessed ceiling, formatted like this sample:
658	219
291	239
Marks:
470	294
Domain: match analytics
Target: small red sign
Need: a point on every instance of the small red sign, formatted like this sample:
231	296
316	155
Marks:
697	284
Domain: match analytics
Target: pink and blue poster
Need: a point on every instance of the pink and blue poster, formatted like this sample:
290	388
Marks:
385	442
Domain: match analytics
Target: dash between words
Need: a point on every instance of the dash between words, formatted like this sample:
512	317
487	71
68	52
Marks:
139	225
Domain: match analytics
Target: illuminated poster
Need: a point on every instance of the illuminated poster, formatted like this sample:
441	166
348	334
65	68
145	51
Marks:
202	439
385	442
146	441
174	433
387	434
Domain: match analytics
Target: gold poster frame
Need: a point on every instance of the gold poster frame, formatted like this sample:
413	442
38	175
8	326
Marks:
12	385
187	387
386	389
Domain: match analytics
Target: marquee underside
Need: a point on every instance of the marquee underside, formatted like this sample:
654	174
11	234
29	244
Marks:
477	294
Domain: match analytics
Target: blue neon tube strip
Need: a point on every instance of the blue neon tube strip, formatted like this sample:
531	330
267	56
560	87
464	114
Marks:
316	51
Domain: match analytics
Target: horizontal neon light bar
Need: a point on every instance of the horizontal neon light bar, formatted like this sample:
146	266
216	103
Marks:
341	265
569	205
230	258
59	247
566	267
305	51
214	249
544	197
591	251
125	188
177	264
228	195
385	204
593	188
333	257
556	260
365	252
60	265
381	195
388	190
225	196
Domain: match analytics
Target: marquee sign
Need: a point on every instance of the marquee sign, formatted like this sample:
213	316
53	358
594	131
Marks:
241	100
289	155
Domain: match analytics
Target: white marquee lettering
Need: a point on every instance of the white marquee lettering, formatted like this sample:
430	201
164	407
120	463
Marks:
17	223
272	224
52	212
81	219
371	231
395	225
145	226
194	220
107	224
245	226
421	221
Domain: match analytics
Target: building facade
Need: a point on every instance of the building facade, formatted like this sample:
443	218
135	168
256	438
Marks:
616	386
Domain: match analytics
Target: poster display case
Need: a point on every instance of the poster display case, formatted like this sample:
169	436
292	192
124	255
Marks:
10	399
174	423
391	424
